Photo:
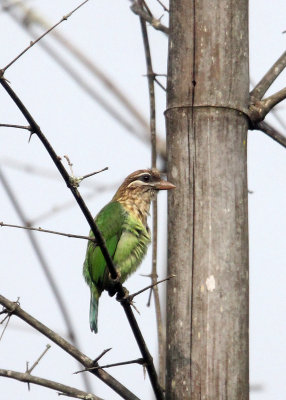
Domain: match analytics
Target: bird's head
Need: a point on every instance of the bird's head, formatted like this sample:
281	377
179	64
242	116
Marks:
139	188
143	181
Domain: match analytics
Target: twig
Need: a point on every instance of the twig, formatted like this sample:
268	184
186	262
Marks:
64	18
101	355
67	390
48	346
15	126
137	361
259	109
131	296
264	84
163	6
271	132
100	241
67	347
43	263
155	23
5	327
29	228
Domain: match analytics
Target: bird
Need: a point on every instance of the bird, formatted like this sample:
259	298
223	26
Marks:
123	225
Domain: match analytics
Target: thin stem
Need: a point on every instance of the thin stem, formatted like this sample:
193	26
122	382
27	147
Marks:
64	18
67	390
264	84
29	228
131	296
48	346
151	77
93	173
15	309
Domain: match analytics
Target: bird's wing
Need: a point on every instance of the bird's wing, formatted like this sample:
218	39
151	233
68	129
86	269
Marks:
109	221
131	247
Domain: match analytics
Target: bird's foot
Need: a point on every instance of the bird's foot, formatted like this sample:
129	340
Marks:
113	284
119	296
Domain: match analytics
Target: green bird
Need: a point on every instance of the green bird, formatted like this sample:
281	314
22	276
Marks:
123	225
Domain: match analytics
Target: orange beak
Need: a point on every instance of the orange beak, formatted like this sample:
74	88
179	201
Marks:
164	185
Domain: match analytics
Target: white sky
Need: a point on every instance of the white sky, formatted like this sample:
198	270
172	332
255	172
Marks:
75	125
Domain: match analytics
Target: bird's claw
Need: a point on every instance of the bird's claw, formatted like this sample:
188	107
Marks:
113	284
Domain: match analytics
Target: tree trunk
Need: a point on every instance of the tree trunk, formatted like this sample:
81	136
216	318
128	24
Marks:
207	302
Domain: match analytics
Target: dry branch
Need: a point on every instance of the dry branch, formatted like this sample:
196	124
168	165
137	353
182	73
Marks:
258	109
67	390
264	84
271	132
15	309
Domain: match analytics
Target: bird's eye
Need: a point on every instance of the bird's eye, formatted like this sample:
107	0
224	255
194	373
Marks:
146	178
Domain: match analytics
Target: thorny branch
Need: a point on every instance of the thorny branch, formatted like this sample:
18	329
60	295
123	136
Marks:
154	287
126	306
137	361
15	309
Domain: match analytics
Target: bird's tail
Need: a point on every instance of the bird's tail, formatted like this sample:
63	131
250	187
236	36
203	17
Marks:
93	311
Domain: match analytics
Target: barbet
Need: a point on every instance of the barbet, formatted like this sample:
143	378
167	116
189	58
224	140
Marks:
123	224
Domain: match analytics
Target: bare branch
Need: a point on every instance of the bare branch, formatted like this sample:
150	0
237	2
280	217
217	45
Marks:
259	109
100	241
261	88
15	309
64	18
29	228
271	132
155	23
67	390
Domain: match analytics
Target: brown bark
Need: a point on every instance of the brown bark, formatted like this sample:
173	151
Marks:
207	302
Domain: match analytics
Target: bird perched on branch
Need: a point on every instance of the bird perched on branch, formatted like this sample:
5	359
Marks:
123	225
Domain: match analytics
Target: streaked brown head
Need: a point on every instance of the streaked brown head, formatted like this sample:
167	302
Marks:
138	190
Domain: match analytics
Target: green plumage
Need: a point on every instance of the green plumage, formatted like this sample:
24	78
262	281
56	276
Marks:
126	239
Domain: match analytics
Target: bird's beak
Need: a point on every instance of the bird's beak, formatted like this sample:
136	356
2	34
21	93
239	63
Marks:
164	185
